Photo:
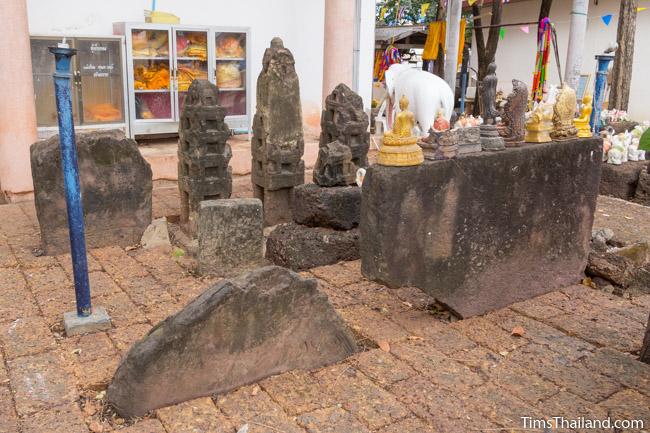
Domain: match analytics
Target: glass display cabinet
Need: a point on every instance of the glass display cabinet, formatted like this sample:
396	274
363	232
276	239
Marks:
98	91
163	60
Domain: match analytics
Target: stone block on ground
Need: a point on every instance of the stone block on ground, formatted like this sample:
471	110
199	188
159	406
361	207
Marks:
230	235
494	229
300	247
621	180
334	207
116	191
156	235
99	320
645	350
642	194
237	332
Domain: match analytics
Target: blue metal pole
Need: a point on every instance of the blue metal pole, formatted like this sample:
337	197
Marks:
62	86
599	90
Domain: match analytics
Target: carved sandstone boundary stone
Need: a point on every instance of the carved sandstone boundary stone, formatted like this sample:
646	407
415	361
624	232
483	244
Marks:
344	120
496	228
203	152
278	145
238	331
116	190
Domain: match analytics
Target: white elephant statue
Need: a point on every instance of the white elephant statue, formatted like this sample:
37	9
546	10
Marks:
427	94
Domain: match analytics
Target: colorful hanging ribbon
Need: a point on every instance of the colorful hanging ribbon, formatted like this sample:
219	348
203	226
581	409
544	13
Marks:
541	61
391	56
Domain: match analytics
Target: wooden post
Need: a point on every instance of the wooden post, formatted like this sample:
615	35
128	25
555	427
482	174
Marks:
622	72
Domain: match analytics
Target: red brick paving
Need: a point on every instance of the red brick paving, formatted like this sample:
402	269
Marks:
576	357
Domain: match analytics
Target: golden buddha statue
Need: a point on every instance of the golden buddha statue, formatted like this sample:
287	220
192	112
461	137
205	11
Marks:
563	112
538	125
400	147
582	122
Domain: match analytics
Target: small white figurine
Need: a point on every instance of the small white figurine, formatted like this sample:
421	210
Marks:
361	173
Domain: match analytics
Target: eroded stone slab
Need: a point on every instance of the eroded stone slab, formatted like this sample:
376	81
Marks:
485	230
238	331
116	190
230	234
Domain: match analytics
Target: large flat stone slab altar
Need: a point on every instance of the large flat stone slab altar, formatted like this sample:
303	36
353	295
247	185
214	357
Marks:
621	180
484	230
238	331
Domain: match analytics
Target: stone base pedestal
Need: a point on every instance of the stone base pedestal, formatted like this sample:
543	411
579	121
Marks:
621	180
526	232
299	247
276	204
333	207
74	324
490	139
642	194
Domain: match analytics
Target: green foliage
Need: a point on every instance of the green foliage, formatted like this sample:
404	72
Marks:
411	13
644	141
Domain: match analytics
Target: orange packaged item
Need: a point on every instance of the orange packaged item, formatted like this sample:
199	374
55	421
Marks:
228	75
104	112
230	47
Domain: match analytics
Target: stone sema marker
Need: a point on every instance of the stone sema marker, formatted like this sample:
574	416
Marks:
238	331
485	230
116	187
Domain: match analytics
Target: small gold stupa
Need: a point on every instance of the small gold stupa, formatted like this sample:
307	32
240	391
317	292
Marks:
582	122
400	148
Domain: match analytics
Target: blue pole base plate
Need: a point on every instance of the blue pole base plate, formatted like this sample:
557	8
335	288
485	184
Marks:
74	324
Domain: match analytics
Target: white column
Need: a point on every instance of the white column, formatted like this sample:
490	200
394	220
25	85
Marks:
452	37
575	51
338	50
17	110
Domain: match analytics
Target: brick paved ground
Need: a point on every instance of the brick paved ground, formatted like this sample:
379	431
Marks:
576	357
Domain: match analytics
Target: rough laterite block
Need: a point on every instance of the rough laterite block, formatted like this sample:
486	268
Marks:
484	230
621	180
116	190
300	247
335	207
237	332
230	234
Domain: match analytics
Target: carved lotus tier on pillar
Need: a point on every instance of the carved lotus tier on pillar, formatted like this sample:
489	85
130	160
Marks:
563	112
582	122
400	148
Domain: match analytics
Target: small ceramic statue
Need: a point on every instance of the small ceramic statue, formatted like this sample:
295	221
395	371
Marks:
582	122
538	125
400	147
563	113
441	124
490	139
514	115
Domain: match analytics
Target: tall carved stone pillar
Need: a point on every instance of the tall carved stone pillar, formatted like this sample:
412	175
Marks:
278	144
